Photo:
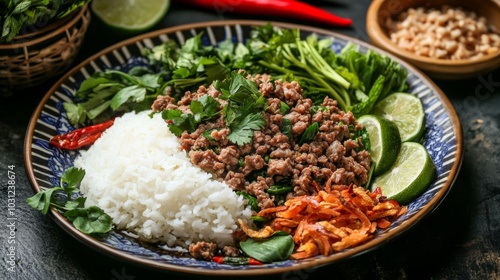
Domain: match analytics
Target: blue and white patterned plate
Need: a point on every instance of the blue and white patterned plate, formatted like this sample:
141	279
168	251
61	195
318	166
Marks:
45	163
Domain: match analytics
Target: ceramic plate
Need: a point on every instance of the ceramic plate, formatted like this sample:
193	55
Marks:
45	163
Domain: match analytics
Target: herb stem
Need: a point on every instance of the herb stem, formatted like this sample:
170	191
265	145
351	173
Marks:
333	93
287	53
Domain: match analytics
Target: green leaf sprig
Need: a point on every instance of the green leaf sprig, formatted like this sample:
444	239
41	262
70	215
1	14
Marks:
242	113
203	109
31	15
89	220
278	247
110	92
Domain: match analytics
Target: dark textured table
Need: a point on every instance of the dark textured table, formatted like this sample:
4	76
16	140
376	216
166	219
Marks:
459	240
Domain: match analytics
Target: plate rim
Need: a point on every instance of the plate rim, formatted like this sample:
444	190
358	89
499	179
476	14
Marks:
307	264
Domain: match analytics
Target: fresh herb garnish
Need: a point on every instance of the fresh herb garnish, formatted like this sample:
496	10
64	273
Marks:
108	93
347	76
29	15
279	189
351	77
86	219
286	128
203	109
284	108
191	64
251	200
309	134
278	247
243	112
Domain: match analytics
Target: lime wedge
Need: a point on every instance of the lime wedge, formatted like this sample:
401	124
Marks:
409	177
406	111
130	15
384	141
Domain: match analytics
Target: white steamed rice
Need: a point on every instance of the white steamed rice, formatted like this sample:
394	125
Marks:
138	174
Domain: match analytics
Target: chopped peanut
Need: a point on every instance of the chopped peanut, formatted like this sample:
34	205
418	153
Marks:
446	33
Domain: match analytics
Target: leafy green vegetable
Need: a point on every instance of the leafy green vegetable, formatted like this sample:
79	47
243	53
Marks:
309	134
363	136
88	220
191	64
286	128
346	77
17	16
370	66
252	200
242	131
41	200
202	109
275	248
351	77
242	113
366	105
284	107
279	189
111	92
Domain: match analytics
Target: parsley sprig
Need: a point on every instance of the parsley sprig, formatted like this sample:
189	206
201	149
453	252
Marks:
203	109
111	92
17	16
88	220
242	113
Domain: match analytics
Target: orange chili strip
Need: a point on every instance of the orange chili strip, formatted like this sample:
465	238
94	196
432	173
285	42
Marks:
328	222
81	137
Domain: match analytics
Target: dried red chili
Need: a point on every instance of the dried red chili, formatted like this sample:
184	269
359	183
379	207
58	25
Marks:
283	8
81	137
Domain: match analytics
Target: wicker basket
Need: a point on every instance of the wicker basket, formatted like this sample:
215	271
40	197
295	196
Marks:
34	58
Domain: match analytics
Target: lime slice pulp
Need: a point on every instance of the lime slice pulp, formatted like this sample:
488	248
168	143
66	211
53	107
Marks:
385	141
130	15
409	177
406	111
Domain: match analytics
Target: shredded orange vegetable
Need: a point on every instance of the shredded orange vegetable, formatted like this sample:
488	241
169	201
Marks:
332	220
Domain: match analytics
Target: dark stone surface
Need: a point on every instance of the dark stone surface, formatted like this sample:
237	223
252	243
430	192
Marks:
460	240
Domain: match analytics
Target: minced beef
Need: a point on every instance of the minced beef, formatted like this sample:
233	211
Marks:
203	250
272	157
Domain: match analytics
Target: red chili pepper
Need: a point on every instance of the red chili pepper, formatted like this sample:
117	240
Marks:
218	259
80	137
236	260
284	8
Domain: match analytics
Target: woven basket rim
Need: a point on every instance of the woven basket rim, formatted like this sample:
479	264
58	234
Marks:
46	35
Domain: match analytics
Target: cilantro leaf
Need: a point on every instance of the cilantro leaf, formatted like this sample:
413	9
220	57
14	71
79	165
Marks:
41	200
203	109
286	128
134	93
178	121
309	134
88	220
242	131
243	112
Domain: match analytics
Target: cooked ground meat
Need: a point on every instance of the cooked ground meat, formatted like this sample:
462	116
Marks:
274	156
203	250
